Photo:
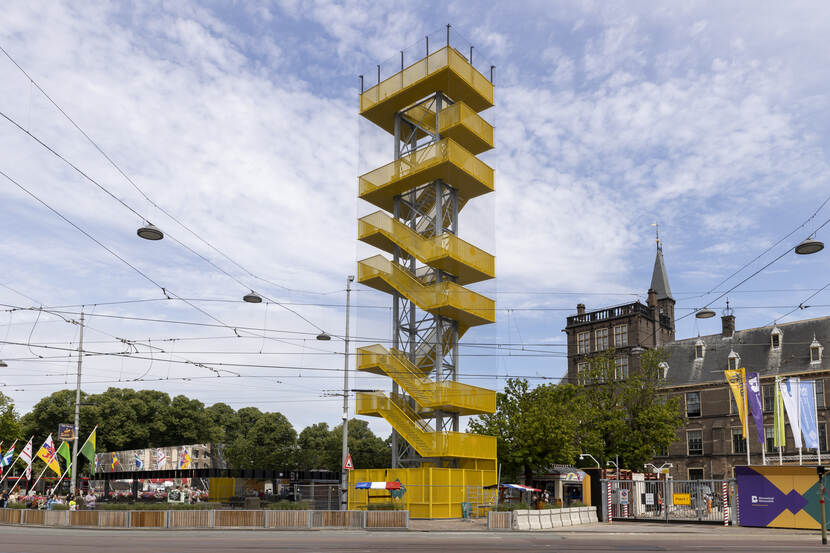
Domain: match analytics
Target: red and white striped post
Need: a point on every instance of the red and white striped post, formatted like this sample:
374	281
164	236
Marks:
725	503
609	501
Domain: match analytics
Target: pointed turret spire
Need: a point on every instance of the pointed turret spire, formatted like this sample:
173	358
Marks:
659	278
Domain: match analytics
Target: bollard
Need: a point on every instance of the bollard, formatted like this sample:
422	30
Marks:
609	501
725	503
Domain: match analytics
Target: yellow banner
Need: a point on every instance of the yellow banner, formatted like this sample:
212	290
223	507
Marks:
737	383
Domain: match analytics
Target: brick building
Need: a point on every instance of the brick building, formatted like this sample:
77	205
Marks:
711	443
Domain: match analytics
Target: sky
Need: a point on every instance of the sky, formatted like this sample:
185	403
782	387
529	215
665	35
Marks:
237	124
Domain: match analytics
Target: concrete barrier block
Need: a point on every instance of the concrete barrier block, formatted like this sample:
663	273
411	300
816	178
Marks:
544	519
583	515
555	518
521	520
535	521
574	516
592	515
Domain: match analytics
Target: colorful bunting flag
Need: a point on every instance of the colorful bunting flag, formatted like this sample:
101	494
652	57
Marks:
48	455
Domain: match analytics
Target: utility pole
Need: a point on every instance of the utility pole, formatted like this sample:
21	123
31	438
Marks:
344	473
74	485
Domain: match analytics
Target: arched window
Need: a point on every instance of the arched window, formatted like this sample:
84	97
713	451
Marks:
700	349
733	361
664	369
775	339
816	350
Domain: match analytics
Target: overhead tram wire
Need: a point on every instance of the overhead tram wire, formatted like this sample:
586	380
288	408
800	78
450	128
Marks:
167	292
140	191
755	273
140	216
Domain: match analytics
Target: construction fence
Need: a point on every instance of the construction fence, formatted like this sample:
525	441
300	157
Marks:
670	500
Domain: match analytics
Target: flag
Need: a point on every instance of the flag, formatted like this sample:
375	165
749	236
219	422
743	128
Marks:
184	458
88	450
115	462
807	405
6	460
161	458
779	436
737	382
64	452
753	382
789	395
26	457
139	464
48	455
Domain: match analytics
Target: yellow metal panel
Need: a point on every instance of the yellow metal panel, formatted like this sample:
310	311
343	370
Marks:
445	159
457	121
447	299
445	70
446	251
220	489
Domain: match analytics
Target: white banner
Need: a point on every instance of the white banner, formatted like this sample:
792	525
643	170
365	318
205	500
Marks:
790	394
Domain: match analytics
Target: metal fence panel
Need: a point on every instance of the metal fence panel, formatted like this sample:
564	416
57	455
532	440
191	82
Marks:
669	500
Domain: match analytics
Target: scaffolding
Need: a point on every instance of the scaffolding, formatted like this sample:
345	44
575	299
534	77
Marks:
431	110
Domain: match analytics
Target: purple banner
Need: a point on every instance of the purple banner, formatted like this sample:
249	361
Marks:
754	399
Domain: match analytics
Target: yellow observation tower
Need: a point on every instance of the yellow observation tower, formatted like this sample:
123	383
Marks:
430	109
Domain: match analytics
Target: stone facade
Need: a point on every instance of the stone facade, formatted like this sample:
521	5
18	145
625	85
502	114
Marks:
707	447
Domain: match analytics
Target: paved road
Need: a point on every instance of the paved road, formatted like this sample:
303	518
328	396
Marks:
604	539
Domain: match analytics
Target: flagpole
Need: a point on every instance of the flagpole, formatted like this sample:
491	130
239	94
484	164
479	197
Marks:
798	407
815	405
42	472
55	488
746	416
10	464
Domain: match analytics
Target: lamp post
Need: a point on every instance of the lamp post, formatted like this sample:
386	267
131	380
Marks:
591	457
325	337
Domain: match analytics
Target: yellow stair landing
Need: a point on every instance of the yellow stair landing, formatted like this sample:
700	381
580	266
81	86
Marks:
446	70
427	443
448	396
458	122
445	159
446	251
446	299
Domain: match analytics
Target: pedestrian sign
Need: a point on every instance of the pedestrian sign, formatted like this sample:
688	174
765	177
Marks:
348	465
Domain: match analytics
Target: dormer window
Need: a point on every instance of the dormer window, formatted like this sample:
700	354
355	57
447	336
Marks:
664	369
815	351
700	348
733	361
775	339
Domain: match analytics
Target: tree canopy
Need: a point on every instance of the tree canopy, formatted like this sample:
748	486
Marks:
607	417
136	419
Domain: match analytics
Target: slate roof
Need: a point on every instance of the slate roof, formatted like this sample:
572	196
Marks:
659	278
755	350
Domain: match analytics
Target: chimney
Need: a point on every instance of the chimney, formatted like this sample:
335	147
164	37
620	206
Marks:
728	325
580	309
652	298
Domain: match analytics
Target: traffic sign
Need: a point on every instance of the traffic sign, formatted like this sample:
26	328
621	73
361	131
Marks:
348	465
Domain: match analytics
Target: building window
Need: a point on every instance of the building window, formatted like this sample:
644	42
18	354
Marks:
692	404
769	438
733	361
581	370
601	339
694	442
819	393
738	442
664	369
700	349
662	451
775	338
621	365
769	397
815	351
695	474
620	336
583	342
822	436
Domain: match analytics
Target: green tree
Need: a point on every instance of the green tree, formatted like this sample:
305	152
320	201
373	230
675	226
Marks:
11	428
632	417
535	428
313	446
267	442
321	447
224	420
